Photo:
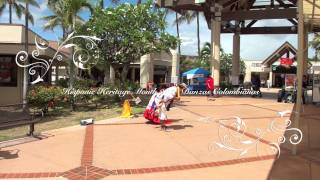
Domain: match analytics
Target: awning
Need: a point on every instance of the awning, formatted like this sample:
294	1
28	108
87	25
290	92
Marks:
196	73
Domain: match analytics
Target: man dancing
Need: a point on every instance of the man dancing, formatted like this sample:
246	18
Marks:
166	102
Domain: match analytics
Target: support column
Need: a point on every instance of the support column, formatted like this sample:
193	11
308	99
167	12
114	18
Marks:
112	75
236	59
305	54
270	78
175	66
247	77
146	70
215	45
57	74
300	59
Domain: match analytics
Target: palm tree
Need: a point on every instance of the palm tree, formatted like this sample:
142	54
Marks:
315	44
13	4
178	32
189	16
205	54
66	16
28	17
102	4
166	13
60	18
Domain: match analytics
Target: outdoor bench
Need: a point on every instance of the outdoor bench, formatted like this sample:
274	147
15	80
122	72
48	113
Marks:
15	115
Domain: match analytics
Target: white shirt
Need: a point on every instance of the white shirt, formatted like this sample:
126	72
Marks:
155	98
169	93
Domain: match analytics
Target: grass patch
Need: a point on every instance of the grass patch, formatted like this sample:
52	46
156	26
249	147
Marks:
63	117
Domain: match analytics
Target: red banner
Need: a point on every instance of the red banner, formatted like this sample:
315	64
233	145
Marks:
286	61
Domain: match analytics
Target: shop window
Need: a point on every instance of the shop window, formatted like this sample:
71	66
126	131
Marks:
8	71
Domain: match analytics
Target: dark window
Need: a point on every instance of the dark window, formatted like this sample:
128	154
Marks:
8	71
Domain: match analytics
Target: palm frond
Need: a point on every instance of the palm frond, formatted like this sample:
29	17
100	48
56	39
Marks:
2	6
186	16
52	23
18	10
30	18
33	3
48	18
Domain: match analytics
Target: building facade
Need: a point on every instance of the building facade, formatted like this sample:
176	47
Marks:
274	68
12	41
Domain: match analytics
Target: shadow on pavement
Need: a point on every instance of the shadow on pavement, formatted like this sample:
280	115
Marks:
306	164
179	127
9	154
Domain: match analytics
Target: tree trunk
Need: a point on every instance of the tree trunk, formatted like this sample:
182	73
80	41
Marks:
71	67
198	33
26	47
102	4
112	74
64	34
10	13
106	75
178	33
124	72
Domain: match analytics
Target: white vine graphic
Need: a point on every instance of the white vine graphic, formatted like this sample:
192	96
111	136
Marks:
80	57
231	134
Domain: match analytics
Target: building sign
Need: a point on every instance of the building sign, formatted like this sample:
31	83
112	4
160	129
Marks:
286	61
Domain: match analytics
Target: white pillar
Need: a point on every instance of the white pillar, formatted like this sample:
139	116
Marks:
146	70
215	47
112	75
305	49
300	59
175	66
236	59
57	74
270	78
247	77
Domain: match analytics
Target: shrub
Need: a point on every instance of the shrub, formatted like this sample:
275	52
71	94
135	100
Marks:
62	83
225	85
43	97
84	83
130	86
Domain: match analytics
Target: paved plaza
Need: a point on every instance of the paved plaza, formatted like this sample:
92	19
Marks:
125	149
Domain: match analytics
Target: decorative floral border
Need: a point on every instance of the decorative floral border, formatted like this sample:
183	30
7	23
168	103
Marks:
234	140
80	57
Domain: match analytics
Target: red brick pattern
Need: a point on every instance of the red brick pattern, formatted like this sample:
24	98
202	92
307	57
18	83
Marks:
30	175
88	172
191	166
247	134
87	151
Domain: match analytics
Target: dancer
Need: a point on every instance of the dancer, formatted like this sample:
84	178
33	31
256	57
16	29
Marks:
166	102
150	111
162	114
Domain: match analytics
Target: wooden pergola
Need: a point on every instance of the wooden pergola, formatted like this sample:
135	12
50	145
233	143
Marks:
239	16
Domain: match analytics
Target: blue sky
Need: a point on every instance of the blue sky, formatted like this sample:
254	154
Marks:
253	47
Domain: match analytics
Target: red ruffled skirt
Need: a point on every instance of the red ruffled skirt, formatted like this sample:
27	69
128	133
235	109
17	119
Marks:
150	115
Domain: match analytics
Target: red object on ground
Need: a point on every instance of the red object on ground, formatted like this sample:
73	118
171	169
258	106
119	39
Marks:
150	115
210	83
286	61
